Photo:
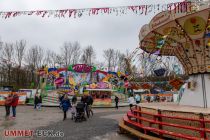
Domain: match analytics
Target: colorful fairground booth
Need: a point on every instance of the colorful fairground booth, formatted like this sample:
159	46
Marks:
77	78
102	93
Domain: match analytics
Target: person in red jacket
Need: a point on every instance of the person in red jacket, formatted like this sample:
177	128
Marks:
14	104
8	102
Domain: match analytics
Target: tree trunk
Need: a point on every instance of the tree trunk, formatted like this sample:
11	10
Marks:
9	80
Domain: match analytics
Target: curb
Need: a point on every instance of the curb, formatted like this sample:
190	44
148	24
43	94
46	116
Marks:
92	106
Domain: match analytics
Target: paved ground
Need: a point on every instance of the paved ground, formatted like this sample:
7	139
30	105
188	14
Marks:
102	126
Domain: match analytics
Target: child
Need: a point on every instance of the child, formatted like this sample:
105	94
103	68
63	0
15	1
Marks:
73	109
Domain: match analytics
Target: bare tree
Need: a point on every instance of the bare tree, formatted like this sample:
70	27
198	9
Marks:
34	59
109	55
67	53
1	49
40	56
70	53
20	51
115	60
58	60
121	62
8	53
76	52
88	55
127	53
19	54
49	58
1	44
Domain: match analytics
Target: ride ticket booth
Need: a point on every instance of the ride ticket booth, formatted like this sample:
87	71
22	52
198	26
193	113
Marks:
102	97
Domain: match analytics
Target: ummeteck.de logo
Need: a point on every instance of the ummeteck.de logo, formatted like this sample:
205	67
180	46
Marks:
33	133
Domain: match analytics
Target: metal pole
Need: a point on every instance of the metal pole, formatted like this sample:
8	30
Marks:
204	91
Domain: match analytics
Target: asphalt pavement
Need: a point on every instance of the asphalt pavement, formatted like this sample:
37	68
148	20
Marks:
48	124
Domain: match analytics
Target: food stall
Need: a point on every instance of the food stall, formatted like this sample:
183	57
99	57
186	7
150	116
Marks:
102	93
102	97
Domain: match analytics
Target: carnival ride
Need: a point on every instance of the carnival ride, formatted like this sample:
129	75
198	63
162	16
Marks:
156	74
184	35
77	78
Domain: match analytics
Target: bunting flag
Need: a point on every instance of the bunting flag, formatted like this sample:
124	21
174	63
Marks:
179	7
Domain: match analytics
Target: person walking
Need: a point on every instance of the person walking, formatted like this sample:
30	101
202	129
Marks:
60	97
84	99
73	109
39	102
116	102
36	100
74	99
137	98
89	104
131	101
8	102
15	99
65	105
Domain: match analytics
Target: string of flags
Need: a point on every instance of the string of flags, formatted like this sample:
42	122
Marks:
179	7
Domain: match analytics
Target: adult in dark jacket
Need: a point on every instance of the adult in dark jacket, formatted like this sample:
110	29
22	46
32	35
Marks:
89	100
65	105
116	102
39	102
89	105
84	99
74	99
15	99
60	100
36	100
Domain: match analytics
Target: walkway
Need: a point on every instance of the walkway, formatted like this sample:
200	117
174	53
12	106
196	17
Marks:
102	126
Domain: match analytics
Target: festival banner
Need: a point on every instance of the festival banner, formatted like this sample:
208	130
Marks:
178	7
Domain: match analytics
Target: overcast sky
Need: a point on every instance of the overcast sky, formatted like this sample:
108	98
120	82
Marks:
102	32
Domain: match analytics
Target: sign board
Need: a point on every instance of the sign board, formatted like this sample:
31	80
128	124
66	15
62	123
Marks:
22	97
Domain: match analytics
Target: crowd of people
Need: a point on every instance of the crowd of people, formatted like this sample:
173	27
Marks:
66	105
131	100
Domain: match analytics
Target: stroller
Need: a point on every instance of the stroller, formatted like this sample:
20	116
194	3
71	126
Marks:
80	112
